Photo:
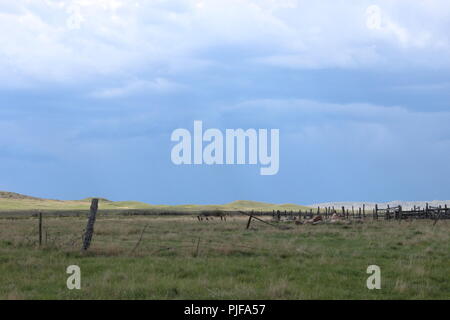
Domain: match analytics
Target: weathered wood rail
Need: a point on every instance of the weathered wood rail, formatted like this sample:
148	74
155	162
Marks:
388	213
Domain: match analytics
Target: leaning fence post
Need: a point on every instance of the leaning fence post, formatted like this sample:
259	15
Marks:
198	247
438	216
90	224
249	220
140	238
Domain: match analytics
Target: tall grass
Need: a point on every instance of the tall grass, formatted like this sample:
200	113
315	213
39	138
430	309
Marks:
182	258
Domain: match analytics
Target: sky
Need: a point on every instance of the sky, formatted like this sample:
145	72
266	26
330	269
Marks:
90	92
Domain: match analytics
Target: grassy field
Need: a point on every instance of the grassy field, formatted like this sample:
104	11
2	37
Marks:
182	258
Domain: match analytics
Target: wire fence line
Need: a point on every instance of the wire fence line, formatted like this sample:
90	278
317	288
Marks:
64	237
62	234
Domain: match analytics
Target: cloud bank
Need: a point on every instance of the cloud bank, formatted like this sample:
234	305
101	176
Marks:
76	40
90	92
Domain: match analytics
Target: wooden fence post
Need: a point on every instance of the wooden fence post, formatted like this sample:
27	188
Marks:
40	228
198	247
90	225
249	220
438	216
140	238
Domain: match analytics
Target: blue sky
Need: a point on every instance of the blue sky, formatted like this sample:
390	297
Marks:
90	92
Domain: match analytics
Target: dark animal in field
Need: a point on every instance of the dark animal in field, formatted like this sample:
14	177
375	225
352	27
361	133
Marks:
209	215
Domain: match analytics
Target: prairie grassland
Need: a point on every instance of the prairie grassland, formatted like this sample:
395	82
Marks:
182	258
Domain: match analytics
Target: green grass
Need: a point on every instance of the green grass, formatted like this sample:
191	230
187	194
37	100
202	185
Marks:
304	262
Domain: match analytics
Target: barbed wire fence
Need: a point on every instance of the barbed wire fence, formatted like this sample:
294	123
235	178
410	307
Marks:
58	237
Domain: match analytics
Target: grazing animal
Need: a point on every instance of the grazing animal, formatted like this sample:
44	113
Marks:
208	215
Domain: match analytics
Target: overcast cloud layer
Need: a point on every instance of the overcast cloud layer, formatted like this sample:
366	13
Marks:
90	92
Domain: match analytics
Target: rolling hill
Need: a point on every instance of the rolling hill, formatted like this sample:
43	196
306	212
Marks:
11	201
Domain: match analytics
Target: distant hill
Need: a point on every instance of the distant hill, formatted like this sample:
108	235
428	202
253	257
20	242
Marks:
13	195
248	204
255	205
10	201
